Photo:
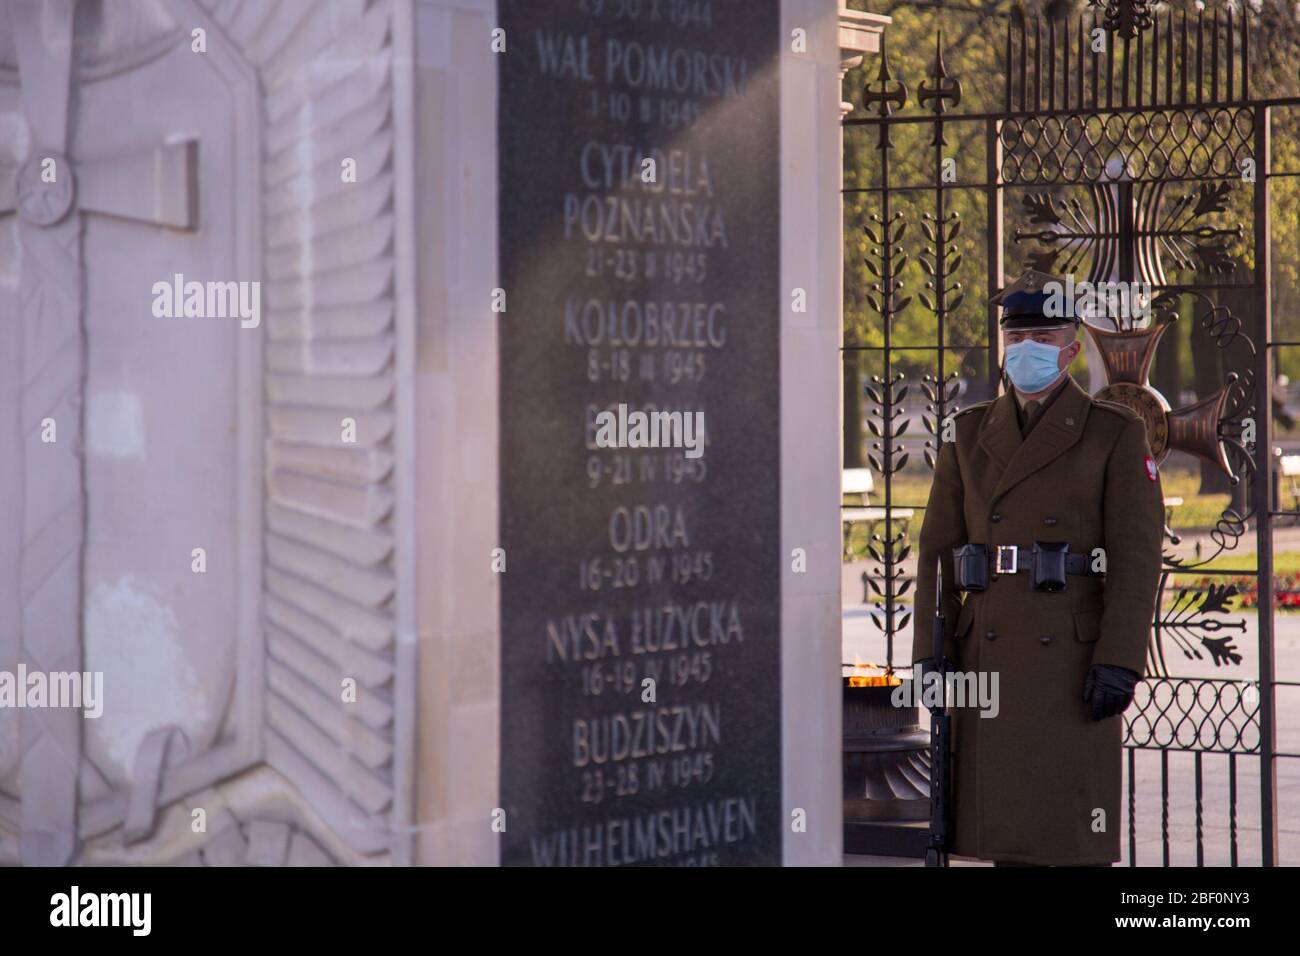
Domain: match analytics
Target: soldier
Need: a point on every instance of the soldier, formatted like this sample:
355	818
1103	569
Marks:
1046	513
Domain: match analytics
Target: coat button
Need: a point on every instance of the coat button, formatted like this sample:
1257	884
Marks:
1046	639
990	635
995	517
1049	521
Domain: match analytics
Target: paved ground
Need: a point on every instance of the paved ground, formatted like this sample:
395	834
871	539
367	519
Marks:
863	643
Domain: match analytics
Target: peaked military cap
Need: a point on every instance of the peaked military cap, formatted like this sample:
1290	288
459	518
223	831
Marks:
1024	303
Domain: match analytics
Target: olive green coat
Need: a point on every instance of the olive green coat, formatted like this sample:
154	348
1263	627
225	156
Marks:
1040	782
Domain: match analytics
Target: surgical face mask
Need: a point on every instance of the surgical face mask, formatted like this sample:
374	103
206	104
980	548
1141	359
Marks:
1032	366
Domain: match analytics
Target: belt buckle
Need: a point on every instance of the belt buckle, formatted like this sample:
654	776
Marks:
1008	555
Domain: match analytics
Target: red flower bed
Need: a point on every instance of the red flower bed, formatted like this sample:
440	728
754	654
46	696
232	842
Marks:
1286	590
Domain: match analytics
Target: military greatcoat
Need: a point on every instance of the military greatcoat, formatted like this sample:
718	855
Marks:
1040	782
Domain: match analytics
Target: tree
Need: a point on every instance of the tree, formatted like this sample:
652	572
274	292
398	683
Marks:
974	52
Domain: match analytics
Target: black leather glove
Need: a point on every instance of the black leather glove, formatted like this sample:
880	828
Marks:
925	666
1110	688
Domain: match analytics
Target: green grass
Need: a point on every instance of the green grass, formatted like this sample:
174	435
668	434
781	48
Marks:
1284	563
1198	512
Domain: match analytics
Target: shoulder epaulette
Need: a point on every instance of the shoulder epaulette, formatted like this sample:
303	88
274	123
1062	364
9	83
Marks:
1123	411
971	408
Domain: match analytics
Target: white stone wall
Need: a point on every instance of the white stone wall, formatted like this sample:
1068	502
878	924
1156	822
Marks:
456	424
811	415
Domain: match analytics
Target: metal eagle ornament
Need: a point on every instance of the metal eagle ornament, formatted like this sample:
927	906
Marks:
1126	357
1126	353
1131	232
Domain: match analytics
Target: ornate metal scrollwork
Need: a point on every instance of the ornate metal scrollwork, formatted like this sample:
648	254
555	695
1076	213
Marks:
1127	18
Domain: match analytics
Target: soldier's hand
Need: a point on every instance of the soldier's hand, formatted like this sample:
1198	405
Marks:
1110	689
927	665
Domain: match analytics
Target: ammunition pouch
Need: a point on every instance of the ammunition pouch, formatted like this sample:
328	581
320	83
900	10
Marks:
1046	562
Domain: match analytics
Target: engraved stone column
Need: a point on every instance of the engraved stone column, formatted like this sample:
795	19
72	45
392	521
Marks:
49	193
53	368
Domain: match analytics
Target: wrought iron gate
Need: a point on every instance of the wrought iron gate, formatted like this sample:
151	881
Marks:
1127	147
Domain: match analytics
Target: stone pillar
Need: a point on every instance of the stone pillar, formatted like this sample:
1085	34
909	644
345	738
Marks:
811	416
458	714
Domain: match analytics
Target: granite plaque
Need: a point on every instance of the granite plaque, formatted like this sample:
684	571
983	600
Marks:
639	227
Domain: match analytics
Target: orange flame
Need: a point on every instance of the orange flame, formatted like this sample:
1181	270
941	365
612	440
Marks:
884	679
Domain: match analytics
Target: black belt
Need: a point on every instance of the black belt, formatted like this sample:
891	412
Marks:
1013	559
1046	563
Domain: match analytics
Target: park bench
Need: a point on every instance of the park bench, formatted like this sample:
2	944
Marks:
1289	466
1170	504
856	486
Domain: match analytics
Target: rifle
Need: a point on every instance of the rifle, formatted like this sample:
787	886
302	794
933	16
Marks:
940	745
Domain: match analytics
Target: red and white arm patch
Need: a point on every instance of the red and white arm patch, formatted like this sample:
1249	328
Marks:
1150	465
